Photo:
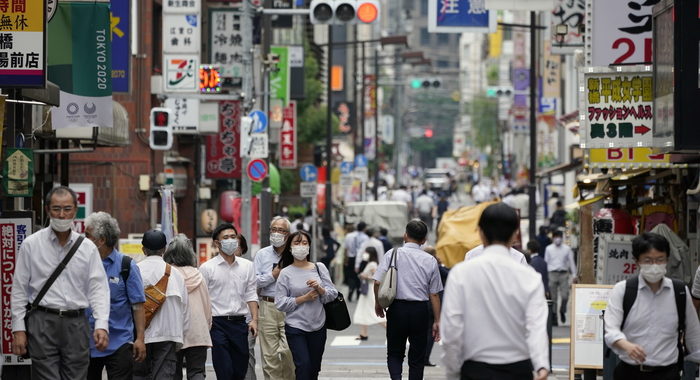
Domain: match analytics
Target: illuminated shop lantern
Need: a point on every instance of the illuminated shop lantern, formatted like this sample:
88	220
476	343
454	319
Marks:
209	79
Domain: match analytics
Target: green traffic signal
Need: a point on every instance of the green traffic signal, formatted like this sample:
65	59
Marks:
416	83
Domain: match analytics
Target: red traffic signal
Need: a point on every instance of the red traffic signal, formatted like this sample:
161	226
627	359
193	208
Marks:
428	133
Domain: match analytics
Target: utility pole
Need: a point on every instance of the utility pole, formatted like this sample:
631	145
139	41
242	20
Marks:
532	186
266	194
376	125
328	212
247	99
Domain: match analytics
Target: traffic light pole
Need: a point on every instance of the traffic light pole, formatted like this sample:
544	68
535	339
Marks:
376	125
532	186
247	97
328	212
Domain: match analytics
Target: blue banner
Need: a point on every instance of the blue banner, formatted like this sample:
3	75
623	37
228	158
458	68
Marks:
121	38
456	16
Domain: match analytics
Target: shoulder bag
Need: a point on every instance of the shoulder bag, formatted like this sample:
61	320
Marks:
387	289
337	315
47	285
155	296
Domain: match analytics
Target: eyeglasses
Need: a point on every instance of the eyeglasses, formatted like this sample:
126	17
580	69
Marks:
279	230
58	209
658	260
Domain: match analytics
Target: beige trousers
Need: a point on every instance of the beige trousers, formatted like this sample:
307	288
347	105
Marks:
276	358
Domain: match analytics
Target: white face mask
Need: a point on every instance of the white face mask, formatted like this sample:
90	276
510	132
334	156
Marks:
61	225
300	251
365	256
229	246
277	239
557	241
653	273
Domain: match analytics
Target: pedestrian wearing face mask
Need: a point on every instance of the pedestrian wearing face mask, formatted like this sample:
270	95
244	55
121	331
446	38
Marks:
562	272
231	284
56	329
647	336
364	315
250	375
302	289
276	358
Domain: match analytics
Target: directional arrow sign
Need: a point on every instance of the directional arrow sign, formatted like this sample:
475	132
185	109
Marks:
641	129
308	173
346	167
259	121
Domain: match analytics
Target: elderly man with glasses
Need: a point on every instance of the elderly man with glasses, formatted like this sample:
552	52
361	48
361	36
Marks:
56	327
276	357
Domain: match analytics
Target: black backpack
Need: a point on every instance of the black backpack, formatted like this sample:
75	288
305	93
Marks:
631	288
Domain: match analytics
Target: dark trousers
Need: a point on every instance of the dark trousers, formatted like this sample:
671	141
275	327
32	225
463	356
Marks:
431	341
472	370
351	278
406	320
59	346
625	371
307	351
119	364
159	363
195	361
230	348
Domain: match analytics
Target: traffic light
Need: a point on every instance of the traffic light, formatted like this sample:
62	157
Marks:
498	91
161	134
425	83
340	12
428	133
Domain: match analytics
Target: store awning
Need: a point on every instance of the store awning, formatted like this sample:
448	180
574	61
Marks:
570	121
561	168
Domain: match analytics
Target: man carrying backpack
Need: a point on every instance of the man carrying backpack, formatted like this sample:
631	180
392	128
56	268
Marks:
126	313
648	317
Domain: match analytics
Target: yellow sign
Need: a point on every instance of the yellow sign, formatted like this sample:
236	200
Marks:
131	248
628	158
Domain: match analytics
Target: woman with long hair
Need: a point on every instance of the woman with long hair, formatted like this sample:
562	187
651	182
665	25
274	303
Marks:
302	289
364	313
197	340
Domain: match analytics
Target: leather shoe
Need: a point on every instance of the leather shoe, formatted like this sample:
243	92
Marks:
429	364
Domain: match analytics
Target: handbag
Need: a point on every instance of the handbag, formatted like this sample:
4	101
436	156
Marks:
155	296
47	285
337	315
387	289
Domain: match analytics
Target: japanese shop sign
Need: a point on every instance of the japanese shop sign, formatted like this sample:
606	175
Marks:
80	63
572	14
616	261
620	31
22	43
14	227
121	36
181	33
182	6
551	86
616	108
279	80
226	42
181	72
223	156
185	114
288	137
18	173
458	16
631	158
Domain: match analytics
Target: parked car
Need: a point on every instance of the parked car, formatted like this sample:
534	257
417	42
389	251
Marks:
437	179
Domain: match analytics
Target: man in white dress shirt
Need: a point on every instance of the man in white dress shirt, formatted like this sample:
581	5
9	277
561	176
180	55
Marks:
647	339
562	272
477	251
494	313
232	287
164	335
57	330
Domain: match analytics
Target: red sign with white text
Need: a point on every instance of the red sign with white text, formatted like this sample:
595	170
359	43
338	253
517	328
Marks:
288	137
223	155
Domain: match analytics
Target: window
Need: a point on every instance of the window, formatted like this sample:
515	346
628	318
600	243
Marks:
443	64
424	36
424	7
443	38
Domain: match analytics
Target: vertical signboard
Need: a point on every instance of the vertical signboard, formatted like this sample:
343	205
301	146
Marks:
80	62
223	157
14	227
226	44
121	37
620	32
288	137
279	80
617	107
181	41
459	16
22	43
181	33
570	13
